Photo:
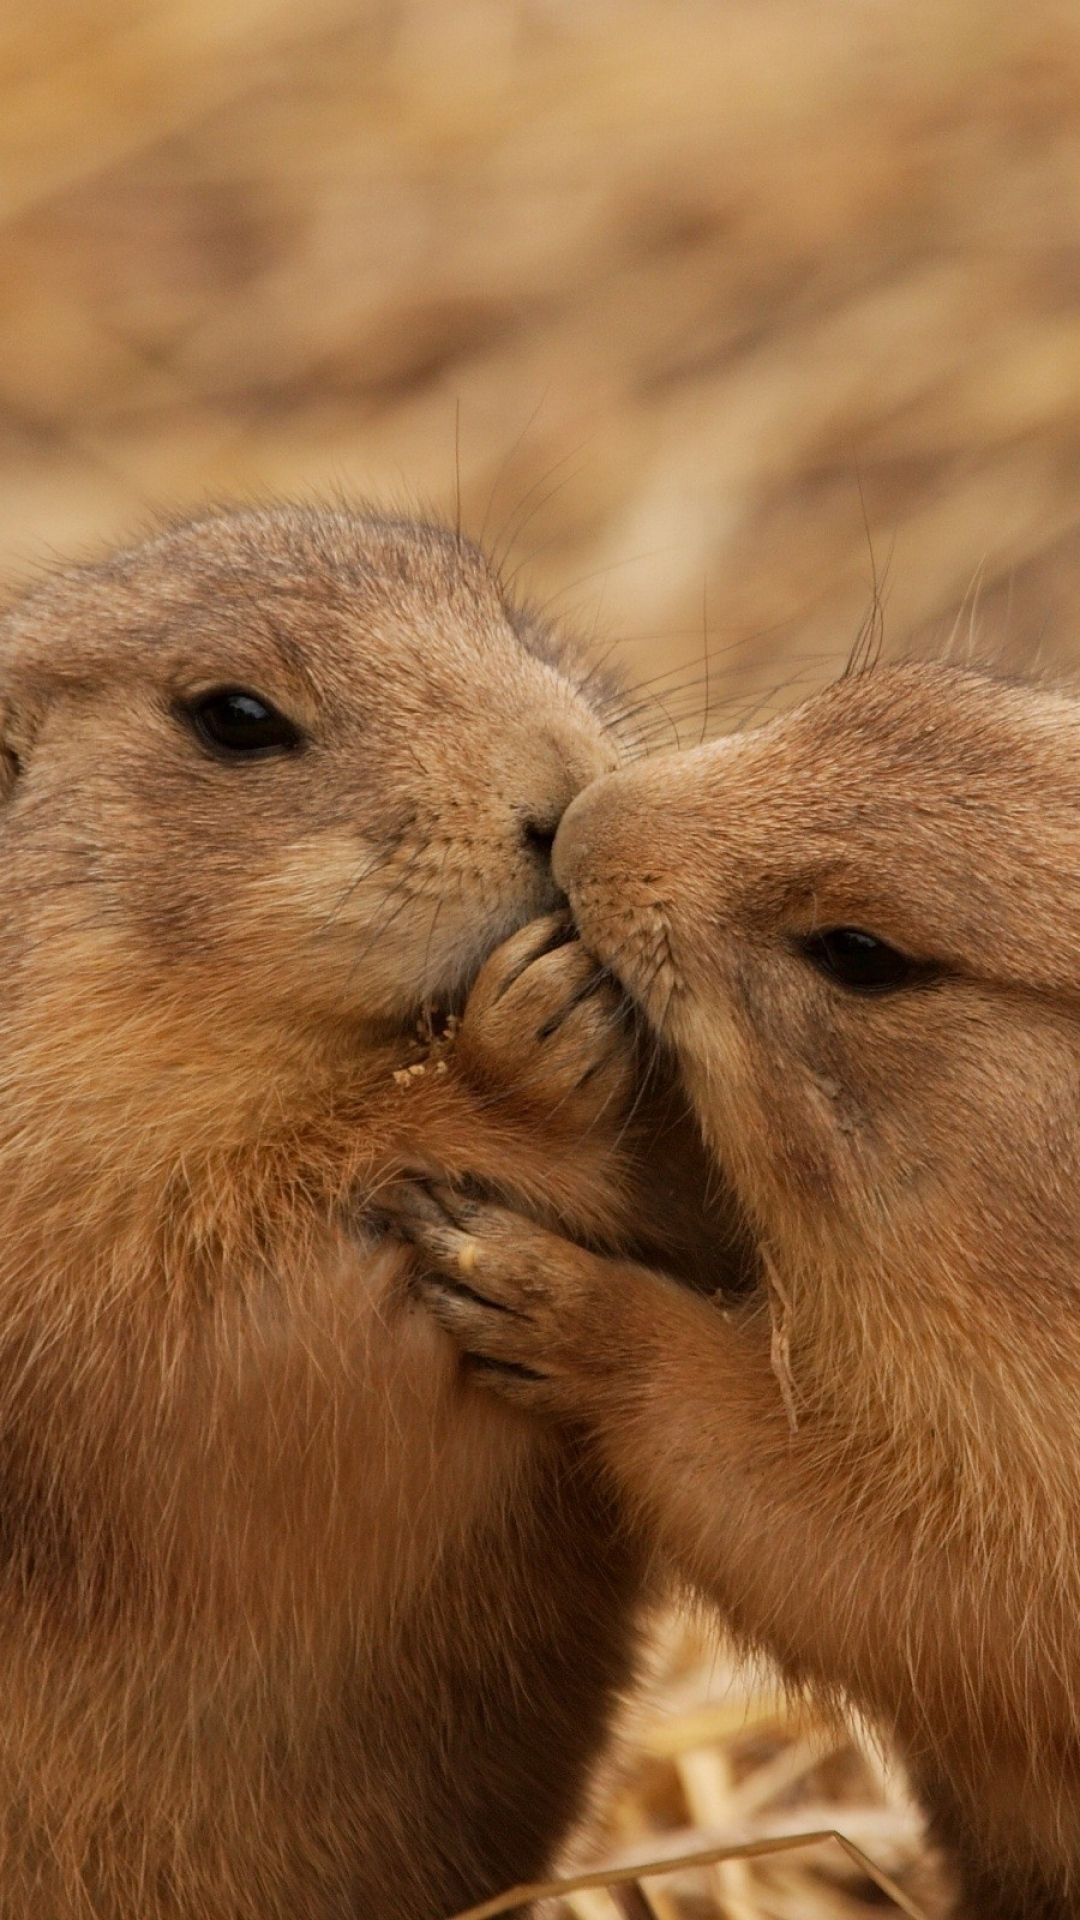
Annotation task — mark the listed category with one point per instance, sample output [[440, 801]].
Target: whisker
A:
[[598, 573], [527, 559], [808, 661], [439, 905], [380, 860], [870, 640], [513, 526], [505, 463], [759, 701], [597, 668], [400, 888], [645, 1084]]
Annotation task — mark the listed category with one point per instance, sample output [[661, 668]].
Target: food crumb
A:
[[436, 1039]]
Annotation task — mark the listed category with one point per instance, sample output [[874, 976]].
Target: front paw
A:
[[547, 1026], [526, 1307]]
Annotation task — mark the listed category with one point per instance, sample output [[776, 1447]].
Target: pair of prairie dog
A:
[[297, 1620], [856, 930]]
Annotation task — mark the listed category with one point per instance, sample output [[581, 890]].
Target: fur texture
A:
[[294, 1621], [869, 1459]]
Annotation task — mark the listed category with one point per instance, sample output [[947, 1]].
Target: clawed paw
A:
[[508, 1292], [545, 1022]]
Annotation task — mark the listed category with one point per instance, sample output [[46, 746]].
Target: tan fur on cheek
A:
[[371, 916]]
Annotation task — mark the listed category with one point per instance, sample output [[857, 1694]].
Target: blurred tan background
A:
[[704, 312], [666, 282]]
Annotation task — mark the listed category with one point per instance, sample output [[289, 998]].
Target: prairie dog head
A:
[[271, 779], [859, 929]]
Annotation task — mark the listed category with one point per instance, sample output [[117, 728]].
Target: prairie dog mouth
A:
[[442, 998]]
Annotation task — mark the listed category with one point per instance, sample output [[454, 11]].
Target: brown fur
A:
[[293, 1622], [908, 1168]]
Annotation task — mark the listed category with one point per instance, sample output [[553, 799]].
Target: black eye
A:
[[860, 961], [239, 723]]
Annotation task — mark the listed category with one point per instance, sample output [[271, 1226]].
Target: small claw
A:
[[418, 1204], [467, 1256], [457, 1209], [483, 1363], [520, 1385], [444, 1236], [458, 1298], [585, 991], [605, 1061], [479, 1328], [557, 930]]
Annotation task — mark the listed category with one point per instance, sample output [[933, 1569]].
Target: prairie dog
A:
[[292, 1623], [857, 929]]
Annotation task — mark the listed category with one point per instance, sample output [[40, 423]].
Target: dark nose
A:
[[564, 760]]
